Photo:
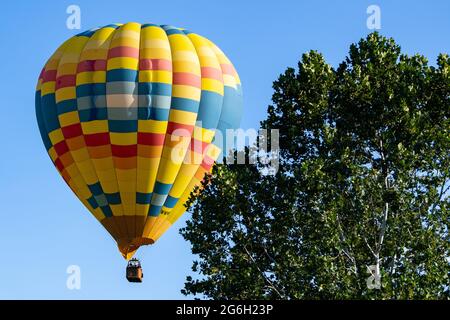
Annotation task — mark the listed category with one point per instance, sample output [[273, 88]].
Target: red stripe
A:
[[91, 65], [61, 148], [151, 139], [212, 73], [155, 64], [123, 51], [66, 179], [228, 69], [41, 74], [59, 165], [207, 163], [65, 81], [124, 151], [49, 75], [184, 130], [187, 79], [97, 139], [198, 146], [72, 131]]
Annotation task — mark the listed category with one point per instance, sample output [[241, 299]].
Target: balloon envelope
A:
[[128, 114]]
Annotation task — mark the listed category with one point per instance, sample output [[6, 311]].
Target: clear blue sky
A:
[[44, 228]]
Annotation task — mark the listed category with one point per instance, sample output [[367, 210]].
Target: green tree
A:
[[363, 183]]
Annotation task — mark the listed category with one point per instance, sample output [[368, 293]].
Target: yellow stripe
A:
[[212, 85], [116, 209], [184, 117], [125, 41], [108, 175], [56, 136], [185, 175], [66, 93], [95, 126], [95, 50], [148, 164], [66, 68], [186, 66], [229, 81], [52, 63], [99, 77], [123, 139], [143, 181], [98, 214], [82, 158], [161, 76], [167, 171], [85, 77], [141, 209], [180, 42], [130, 29], [156, 53], [68, 118], [52, 153], [123, 63], [103, 164], [126, 175], [206, 53], [152, 126], [189, 92], [48, 88], [151, 42], [100, 36], [38, 85]]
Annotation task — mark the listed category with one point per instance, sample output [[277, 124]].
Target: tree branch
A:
[[270, 283], [368, 246]]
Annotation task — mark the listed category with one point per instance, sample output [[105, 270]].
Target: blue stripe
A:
[[171, 202], [144, 113], [156, 88], [113, 198], [159, 114], [95, 188], [231, 110], [184, 104], [167, 27], [230, 117], [107, 211], [93, 114], [111, 26], [92, 202], [210, 109], [154, 211], [84, 90], [89, 89], [66, 106], [87, 33], [173, 31], [143, 198], [122, 75], [162, 188], [122, 125], [149, 25], [40, 120], [50, 115], [153, 114]]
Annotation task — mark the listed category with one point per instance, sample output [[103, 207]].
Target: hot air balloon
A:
[[129, 114]]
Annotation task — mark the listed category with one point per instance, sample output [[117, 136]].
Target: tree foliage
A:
[[363, 181]]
